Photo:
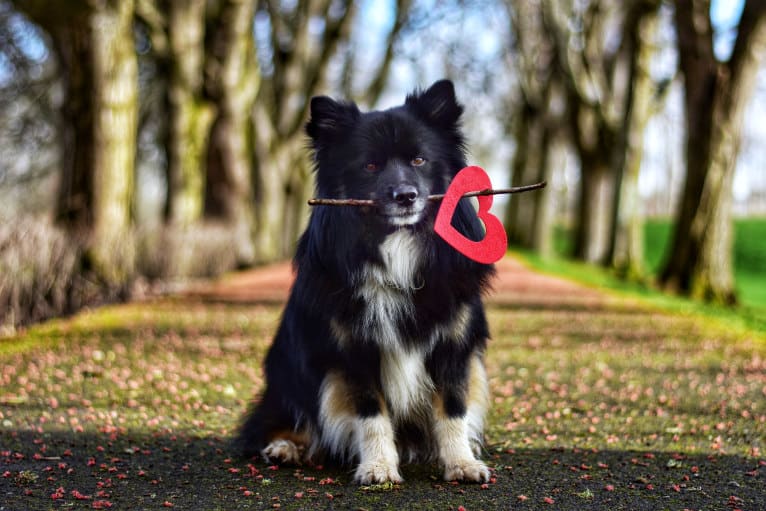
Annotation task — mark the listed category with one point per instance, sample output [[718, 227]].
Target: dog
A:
[[379, 356]]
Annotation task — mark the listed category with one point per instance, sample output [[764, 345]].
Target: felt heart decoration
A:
[[493, 246]]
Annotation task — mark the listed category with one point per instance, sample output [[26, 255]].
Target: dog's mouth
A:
[[402, 215]]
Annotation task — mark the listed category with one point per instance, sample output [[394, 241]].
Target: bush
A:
[[44, 272], [175, 253], [38, 272]]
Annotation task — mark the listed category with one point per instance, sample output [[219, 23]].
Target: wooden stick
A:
[[487, 191]]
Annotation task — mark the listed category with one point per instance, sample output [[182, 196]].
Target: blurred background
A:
[[147, 141]]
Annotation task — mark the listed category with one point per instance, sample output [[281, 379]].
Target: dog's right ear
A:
[[330, 119]]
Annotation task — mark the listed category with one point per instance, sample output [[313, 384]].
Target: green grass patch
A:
[[749, 256], [749, 259], [746, 320], [656, 239]]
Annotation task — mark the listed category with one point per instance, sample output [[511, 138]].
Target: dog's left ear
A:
[[437, 105]]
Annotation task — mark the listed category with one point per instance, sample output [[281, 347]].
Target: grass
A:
[[749, 256], [749, 272], [612, 404], [743, 319]]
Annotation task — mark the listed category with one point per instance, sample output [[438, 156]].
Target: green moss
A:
[[746, 320]]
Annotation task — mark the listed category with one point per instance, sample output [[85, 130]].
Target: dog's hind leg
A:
[[270, 431], [286, 447]]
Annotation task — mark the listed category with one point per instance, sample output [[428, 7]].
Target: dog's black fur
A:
[[380, 298]]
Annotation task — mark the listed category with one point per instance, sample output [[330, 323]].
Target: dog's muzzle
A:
[[404, 205]]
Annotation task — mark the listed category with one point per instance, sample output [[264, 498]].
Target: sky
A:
[[724, 15]]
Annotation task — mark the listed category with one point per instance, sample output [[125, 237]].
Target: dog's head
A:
[[396, 157]]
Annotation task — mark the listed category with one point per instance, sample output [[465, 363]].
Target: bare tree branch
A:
[[376, 86], [336, 30], [751, 38], [435, 197]]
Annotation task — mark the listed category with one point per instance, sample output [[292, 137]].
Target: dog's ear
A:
[[437, 105], [330, 118]]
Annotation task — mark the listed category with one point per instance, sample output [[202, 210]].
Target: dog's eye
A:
[[372, 167], [418, 162]]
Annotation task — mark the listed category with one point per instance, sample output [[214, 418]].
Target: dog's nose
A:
[[405, 195]]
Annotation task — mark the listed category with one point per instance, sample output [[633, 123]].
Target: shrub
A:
[[38, 267], [180, 253]]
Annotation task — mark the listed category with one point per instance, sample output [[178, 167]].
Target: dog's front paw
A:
[[467, 470], [377, 472], [284, 451]]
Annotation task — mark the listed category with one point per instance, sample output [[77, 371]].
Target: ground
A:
[[599, 402]]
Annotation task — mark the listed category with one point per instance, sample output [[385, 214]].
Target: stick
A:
[[486, 191]]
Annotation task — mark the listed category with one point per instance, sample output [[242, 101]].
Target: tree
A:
[[715, 95], [232, 81], [368, 90], [190, 113], [295, 72], [534, 123], [29, 142], [206, 67], [94, 45], [601, 103], [643, 98], [297, 69]]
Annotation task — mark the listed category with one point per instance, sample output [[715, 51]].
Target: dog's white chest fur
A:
[[387, 292], [387, 289], [401, 258]]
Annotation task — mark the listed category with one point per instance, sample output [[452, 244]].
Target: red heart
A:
[[493, 246]]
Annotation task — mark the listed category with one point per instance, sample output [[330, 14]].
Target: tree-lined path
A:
[[598, 403]]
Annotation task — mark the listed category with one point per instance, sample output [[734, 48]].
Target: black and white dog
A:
[[379, 356]]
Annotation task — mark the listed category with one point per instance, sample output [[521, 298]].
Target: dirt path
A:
[[515, 284], [597, 403]]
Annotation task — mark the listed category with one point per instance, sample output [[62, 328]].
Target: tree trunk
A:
[[282, 187], [542, 233], [593, 209], [282, 181], [715, 97], [528, 216], [94, 42], [627, 247], [599, 87], [116, 124], [233, 81], [190, 113], [519, 215], [594, 141]]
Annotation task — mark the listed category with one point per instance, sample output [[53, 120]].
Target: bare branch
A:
[[437, 197], [375, 88], [336, 30], [156, 23], [751, 38]]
